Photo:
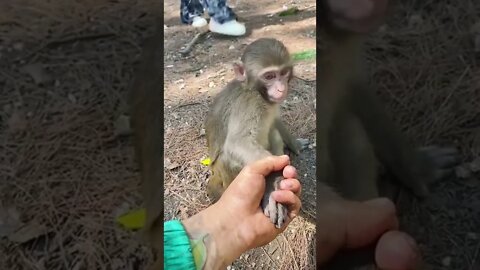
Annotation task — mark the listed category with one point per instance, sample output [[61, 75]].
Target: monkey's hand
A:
[[277, 212], [435, 163]]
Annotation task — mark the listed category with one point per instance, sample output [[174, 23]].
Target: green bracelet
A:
[[177, 252]]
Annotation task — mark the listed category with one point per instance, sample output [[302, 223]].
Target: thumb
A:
[[252, 177], [268, 165]]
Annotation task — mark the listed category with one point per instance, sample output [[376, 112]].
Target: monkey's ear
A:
[[240, 73]]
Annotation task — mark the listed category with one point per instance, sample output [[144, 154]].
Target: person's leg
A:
[[222, 18], [191, 12]]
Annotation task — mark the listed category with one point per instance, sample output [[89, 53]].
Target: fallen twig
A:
[[188, 48], [302, 79]]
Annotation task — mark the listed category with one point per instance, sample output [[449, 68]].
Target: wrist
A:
[[221, 243]]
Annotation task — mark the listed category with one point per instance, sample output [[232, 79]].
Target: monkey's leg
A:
[[217, 182], [353, 158], [292, 144], [276, 142], [413, 167]]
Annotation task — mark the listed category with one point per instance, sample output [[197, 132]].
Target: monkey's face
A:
[[358, 16], [275, 81]]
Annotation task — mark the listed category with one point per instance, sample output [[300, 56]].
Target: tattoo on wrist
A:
[[199, 250]]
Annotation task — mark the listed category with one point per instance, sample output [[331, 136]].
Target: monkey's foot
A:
[[230, 28], [303, 143], [199, 22], [277, 212]]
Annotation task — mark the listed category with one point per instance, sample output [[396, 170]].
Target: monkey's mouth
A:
[[278, 96]]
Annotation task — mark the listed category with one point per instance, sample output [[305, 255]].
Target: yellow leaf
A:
[[133, 220], [205, 161]]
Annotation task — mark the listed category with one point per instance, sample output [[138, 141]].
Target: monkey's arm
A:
[[291, 143], [241, 143], [244, 149]]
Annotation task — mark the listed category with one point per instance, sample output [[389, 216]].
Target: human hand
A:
[[236, 223], [346, 224], [244, 194]]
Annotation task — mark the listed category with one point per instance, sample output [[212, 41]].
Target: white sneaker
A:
[[230, 28], [199, 22]]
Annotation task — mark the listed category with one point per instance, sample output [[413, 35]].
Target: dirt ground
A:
[[190, 84], [65, 174], [65, 67]]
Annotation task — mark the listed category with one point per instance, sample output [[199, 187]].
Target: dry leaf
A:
[[474, 166], [72, 98], [462, 172], [17, 121], [447, 261], [9, 221], [182, 210], [477, 43], [169, 164], [28, 232], [37, 72]]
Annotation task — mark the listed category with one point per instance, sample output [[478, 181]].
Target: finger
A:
[[367, 221], [289, 199], [348, 224], [291, 184], [397, 251], [267, 165], [289, 172]]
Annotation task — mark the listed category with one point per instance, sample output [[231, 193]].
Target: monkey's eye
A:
[[269, 76], [284, 72]]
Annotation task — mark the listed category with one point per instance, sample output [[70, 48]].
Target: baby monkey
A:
[[243, 124]]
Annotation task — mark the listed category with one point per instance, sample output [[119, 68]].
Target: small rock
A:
[[18, 46], [474, 166], [447, 261], [72, 98], [231, 47], [475, 29], [415, 20], [165, 26], [462, 172], [181, 86], [122, 126], [477, 43], [7, 108], [178, 81], [202, 132], [211, 84], [472, 236]]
